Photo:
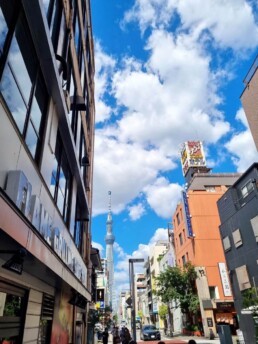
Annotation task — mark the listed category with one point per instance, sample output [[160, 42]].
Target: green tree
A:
[[178, 284], [140, 313], [163, 311], [250, 299], [115, 318]]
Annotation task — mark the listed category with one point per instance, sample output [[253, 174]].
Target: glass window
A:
[[12, 308], [77, 35], [237, 238], [181, 239], [23, 88], [3, 31], [178, 218], [254, 223], [247, 188], [61, 179]]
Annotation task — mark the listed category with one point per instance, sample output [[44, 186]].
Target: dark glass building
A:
[[238, 210]]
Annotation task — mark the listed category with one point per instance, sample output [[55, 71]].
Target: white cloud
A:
[[104, 66], [240, 116], [242, 146], [163, 197], [125, 169], [99, 247], [170, 98], [136, 211], [121, 274], [160, 234], [231, 23]]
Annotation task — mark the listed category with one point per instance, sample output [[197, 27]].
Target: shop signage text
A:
[[19, 190]]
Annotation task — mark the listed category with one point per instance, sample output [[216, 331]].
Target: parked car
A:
[[123, 324], [149, 332]]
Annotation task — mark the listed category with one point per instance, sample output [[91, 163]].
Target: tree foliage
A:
[[250, 299], [163, 311], [178, 284]]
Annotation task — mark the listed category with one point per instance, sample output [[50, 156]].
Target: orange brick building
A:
[[197, 239]]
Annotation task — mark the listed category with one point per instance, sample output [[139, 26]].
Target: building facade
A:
[[174, 317], [249, 99], [197, 239], [46, 149], [110, 239], [238, 209]]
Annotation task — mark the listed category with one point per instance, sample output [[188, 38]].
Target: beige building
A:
[[156, 252], [249, 99]]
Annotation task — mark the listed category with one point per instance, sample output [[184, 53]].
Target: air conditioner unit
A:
[[67, 100]]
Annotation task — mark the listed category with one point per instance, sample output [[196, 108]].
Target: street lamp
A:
[[131, 275]]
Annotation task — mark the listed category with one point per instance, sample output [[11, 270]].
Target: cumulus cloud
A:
[[125, 169], [171, 97], [163, 196], [242, 146], [136, 211], [231, 23], [99, 247], [104, 66], [121, 274]]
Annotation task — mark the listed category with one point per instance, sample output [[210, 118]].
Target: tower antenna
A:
[[109, 202]]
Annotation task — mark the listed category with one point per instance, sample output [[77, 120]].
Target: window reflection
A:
[[12, 308], [21, 79], [3, 31], [31, 140], [61, 180], [13, 98]]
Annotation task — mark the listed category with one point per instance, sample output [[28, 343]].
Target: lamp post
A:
[[131, 276]]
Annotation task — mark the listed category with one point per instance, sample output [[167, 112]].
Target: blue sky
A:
[[166, 71]]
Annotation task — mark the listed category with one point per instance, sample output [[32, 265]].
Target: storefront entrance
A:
[[13, 304]]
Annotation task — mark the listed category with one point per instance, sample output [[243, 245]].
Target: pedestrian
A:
[[125, 335], [192, 341], [212, 335], [105, 336], [116, 337]]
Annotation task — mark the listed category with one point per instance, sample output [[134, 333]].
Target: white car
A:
[[123, 323], [98, 327]]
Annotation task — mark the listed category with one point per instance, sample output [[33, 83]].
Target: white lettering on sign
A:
[[195, 148], [224, 279], [19, 190]]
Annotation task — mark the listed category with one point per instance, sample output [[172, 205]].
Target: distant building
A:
[[174, 319], [197, 239], [140, 289], [47, 117], [110, 239], [238, 210], [249, 99], [153, 268]]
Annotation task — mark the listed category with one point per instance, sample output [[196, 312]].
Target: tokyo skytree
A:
[[109, 239]]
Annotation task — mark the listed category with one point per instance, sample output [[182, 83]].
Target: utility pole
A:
[[132, 288]]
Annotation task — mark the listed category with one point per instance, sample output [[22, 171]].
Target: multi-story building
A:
[[140, 289], [156, 252], [46, 150], [197, 239], [174, 319], [249, 100], [102, 285], [238, 209], [110, 239]]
